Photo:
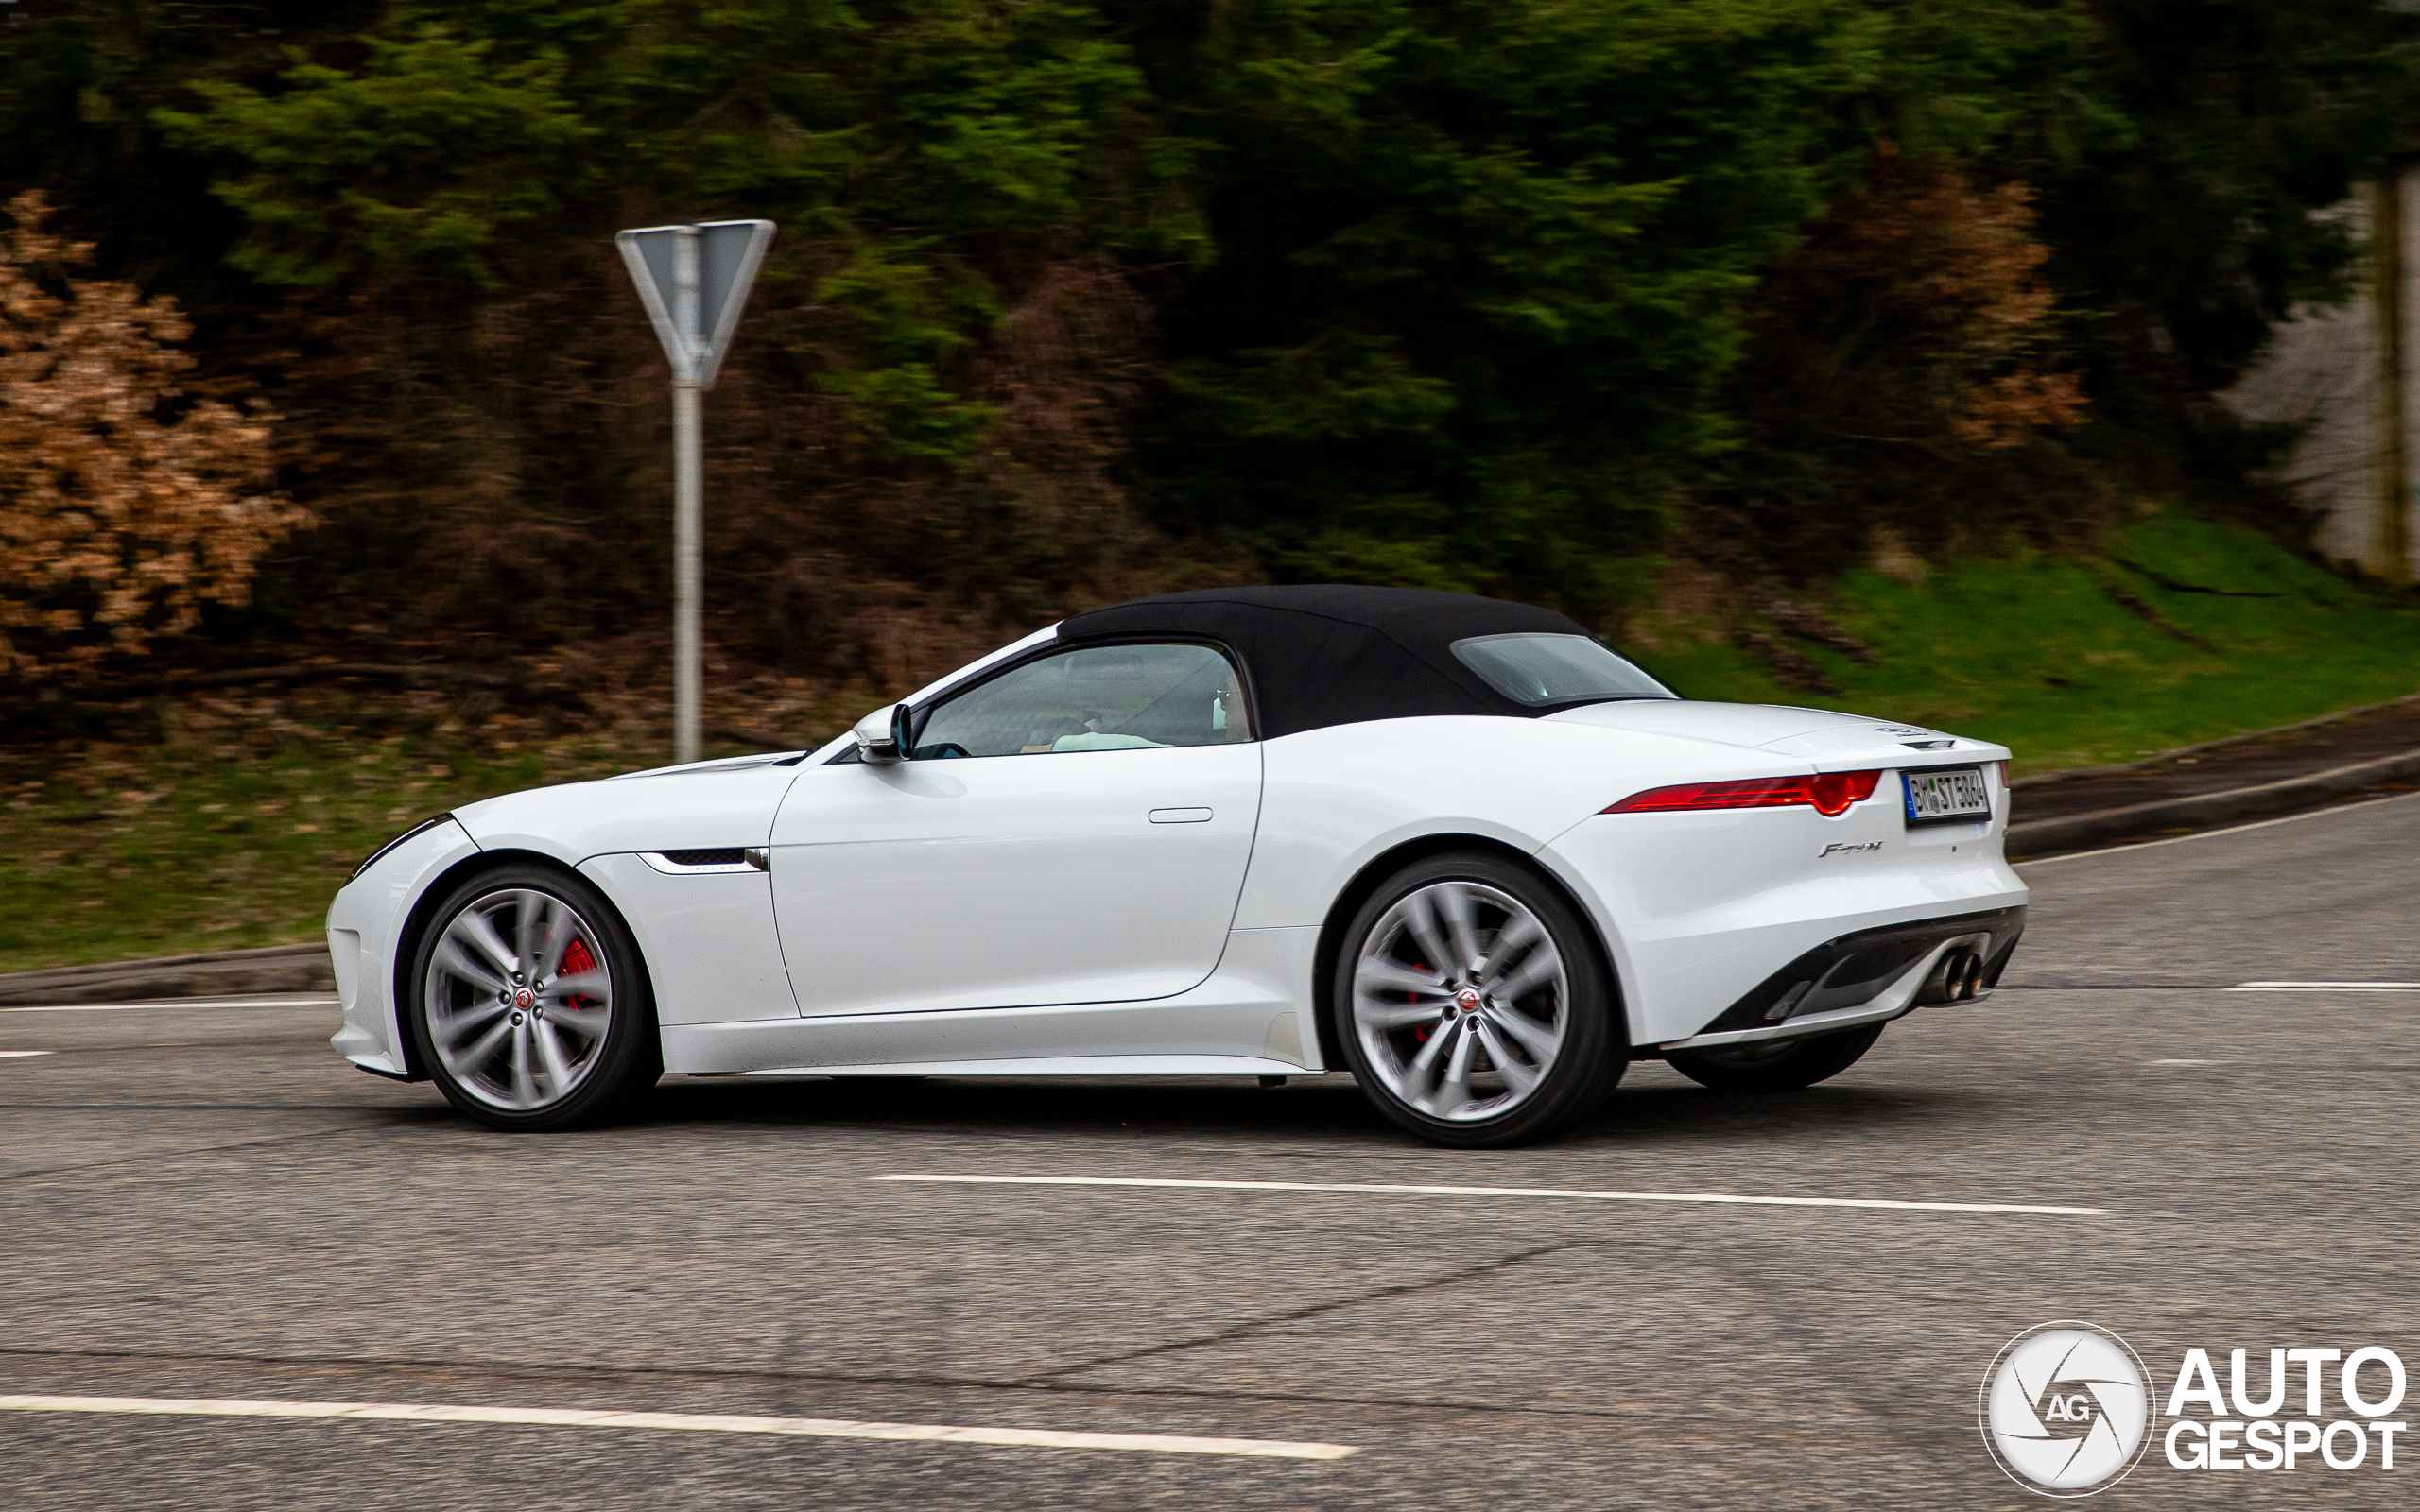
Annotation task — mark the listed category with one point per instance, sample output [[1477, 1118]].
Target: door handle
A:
[[1180, 815]]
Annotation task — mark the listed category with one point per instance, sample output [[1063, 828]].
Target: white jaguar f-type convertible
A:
[[1454, 846]]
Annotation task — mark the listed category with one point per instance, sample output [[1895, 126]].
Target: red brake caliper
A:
[[575, 960]]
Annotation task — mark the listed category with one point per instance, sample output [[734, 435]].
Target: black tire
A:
[[1776, 1065], [1593, 1049], [611, 1070]]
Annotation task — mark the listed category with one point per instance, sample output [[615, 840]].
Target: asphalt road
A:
[[200, 1201]]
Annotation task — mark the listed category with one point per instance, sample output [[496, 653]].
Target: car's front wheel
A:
[[1776, 1065], [1474, 1005], [530, 1007]]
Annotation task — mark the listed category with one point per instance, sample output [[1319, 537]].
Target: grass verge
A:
[[230, 822], [2185, 631]]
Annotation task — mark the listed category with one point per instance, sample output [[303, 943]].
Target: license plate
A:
[[1947, 794]]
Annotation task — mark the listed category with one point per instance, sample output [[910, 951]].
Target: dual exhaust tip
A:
[[1959, 978]]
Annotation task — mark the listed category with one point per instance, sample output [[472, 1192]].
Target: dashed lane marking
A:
[[19, 1055], [679, 1422], [2324, 987], [1501, 1191]]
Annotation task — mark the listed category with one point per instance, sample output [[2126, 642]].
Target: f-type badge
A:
[[1840, 849]]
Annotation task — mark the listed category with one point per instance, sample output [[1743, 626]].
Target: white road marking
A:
[[327, 1001], [685, 1423], [19, 1055], [2212, 834], [2184, 1062], [2324, 987], [1499, 1191]]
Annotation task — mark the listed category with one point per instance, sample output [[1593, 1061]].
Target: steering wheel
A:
[[943, 751]]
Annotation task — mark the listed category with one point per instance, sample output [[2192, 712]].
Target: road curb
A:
[[2247, 737], [271, 969], [2039, 836]]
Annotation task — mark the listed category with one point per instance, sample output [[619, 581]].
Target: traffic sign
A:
[[693, 281], [695, 323]]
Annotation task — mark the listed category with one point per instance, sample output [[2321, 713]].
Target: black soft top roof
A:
[[1329, 654]]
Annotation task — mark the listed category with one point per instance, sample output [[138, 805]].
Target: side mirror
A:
[[884, 735]]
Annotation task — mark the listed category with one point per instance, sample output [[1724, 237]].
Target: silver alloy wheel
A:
[[518, 999], [1459, 1000]]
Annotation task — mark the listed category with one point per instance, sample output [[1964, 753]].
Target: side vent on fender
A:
[[694, 862], [702, 858]]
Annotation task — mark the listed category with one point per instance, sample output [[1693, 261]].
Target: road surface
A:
[[198, 1201]]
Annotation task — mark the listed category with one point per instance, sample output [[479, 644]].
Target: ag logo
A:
[[2066, 1409]]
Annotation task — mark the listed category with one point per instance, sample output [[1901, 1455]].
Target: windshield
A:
[[1542, 669]]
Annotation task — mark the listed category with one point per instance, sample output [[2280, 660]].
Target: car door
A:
[[1074, 829]]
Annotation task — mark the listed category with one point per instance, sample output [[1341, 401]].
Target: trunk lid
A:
[[1829, 741]]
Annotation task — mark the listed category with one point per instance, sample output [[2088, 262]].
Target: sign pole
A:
[[688, 502]]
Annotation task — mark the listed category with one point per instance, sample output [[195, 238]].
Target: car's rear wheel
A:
[[1474, 1003], [1776, 1065], [530, 1007]]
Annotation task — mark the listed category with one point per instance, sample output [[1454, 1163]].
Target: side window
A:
[[1105, 698]]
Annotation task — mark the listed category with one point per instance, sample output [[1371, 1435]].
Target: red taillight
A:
[[1833, 792], [1827, 793]]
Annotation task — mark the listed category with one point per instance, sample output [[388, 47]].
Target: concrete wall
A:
[[2352, 376]]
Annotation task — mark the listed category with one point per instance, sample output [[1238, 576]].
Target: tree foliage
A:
[[1077, 296], [422, 158]]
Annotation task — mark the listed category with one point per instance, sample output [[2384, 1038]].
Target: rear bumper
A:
[[1867, 976], [1699, 909]]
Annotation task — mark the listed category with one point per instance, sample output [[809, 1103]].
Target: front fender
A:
[[366, 923]]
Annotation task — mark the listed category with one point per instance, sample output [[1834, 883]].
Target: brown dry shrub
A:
[[1998, 411], [1902, 390], [126, 503], [1916, 306]]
